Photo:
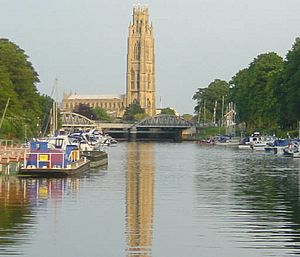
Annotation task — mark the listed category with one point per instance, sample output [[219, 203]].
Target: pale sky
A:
[[83, 43]]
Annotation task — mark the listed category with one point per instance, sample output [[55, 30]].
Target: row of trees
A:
[[266, 94], [26, 107], [133, 112]]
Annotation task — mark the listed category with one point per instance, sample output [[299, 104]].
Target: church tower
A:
[[140, 84]]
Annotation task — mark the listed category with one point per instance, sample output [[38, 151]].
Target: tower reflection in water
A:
[[139, 198]]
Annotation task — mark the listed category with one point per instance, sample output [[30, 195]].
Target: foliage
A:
[[252, 91], [210, 97], [134, 111], [101, 114], [46, 103], [168, 111], [85, 110], [209, 132], [140, 116], [287, 90], [188, 117], [18, 83]]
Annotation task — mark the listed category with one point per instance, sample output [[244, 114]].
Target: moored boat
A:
[[97, 158], [226, 141], [42, 160]]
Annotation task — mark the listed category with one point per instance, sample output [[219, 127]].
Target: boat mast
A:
[[56, 105], [3, 115], [54, 112]]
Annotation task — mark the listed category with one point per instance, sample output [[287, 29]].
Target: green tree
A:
[[188, 117], [252, 90], [18, 82], [101, 114], [85, 110], [287, 88], [168, 111], [46, 104], [133, 112], [211, 97]]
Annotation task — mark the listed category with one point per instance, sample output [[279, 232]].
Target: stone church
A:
[[140, 84]]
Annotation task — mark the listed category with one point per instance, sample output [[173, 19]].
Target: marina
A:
[[182, 158], [148, 202]]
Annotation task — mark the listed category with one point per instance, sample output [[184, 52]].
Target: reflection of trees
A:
[[268, 190], [139, 198], [15, 212]]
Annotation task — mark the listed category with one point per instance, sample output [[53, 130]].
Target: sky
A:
[[83, 43]]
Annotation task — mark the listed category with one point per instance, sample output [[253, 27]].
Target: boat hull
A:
[[77, 168], [97, 158], [244, 146]]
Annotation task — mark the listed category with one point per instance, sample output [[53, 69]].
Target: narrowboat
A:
[[45, 160]]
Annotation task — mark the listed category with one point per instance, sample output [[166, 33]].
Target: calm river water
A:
[[158, 200]]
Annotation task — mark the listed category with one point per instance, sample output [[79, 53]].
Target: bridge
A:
[[71, 120], [159, 127], [164, 121]]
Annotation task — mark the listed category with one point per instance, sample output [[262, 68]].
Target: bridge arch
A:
[[75, 120]]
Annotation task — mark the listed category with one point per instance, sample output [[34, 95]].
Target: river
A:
[[158, 200]]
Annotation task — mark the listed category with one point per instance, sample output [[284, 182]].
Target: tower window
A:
[[148, 103], [136, 51]]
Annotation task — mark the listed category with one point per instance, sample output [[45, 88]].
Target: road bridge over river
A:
[[159, 127]]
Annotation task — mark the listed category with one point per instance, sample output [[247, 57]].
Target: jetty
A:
[[11, 156]]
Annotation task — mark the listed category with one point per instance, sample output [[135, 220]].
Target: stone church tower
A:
[[140, 85]]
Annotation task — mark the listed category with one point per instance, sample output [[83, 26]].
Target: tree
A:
[[85, 110], [18, 82], [46, 104], [252, 90], [211, 98], [134, 112], [187, 117], [168, 111], [287, 88], [101, 114]]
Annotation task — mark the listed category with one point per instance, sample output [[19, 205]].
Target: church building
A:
[[140, 82]]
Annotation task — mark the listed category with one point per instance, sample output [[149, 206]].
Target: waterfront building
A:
[[140, 76], [113, 104]]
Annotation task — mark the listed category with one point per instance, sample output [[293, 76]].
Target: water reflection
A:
[[41, 190], [269, 188], [20, 199], [15, 214], [139, 198], [253, 202]]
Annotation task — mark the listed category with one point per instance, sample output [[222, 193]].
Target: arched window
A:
[[148, 103]]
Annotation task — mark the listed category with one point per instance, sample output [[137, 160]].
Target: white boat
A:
[[293, 149], [246, 143], [256, 142], [263, 143]]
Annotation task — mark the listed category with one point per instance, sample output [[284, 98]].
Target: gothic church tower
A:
[[140, 85]]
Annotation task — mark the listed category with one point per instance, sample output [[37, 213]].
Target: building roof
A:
[[94, 97]]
